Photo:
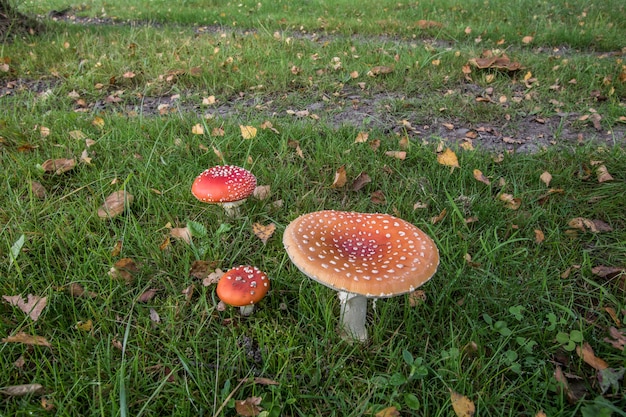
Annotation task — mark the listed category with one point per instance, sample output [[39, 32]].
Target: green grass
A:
[[510, 301]]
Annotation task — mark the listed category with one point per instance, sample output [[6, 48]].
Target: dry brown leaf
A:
[[76, 290], [38, 190], [263, 232], [608, 272], [374, 144], [510, 202], [439, 217], [603, 174], [388, 412], [264, 381], [154, 316], [585, 352], [200, 269], [593, 226], [611, 312], [417, 297], [21, 390], [197, 129], [250, 407], [261, 192], [361, 137], [463, 406], [539, 236], [124, 269], [360, 181], [115, 204], [340, 178], [617, 339], [540, 413], [378, 197], [296, 145], [247, 132], [448, 158], [379, 70], [527, 39], [501, 62], [564, 385], [27, 339], [428, 24], [181, 233], [85, 158], [218, 132], [401, 155], [480, 177], [546, 177], [86, 326], [33, 306], [147, 295], [58, 166]]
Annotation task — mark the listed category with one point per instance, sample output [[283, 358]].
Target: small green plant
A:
[[569, 340]]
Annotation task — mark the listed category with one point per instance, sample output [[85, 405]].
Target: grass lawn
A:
[[498, 128]]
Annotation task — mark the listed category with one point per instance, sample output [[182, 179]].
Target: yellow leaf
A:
[[463, 406], [98, 122], [388, 412], [85, 326], [247, 132], [546, 177], [340, 178], [481, 177], [263, 232], [361, 137], [197, 129], [448, 158], [603, 174]]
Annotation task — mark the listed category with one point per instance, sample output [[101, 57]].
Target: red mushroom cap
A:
[[242, 286], [223, 184], [374, 255]]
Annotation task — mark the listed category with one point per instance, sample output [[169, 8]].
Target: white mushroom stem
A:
[[232, 208], [246, 310], [353, 315]]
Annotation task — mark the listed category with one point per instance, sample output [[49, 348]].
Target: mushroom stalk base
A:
[[232, 208], [246, 310], [353, 315]]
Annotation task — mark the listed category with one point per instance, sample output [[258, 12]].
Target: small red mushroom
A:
[[243, 287], [226, 185]]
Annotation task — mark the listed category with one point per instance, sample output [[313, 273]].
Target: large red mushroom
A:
[[243, 287], [361, 256], [226, 185]]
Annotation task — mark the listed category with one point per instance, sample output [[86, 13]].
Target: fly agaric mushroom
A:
[[226, 185], [243, 287], [361, 256]]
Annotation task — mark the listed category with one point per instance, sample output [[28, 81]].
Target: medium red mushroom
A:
[[361, 256], [226, 185], [243, 287]]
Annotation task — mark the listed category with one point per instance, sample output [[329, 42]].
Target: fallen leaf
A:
[[539, 236], [124, 269], [264, 381], [603, 174], [115, 204], [213, 277], [261, 192], [480, 177], [263, 232], [154, 316], [448, 158], [378, 197], [388, 412], [546, 177], [209, 101], [200, 269], [250, 407], [147, 295], [374, 144], [527, 39], [197, 129], [585, 352], [617, 339], [428, 24], [501, 62], [247, 132], [98, 122], [510, 202], [76, 290], [608, 272], [564, 385], [38, 190], [85, 158], [21, 390], [361, 137], [593, 226], [463, 406], [540, 413], [360, 181], [218, 132], [58, 166], [611, 312], [296, 145], [85, 326], [439, 217], [181, 233], [401, 155], [27, 339], [47, 404], [33, 306], [417, 297], [379, 70], [340, 178]]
